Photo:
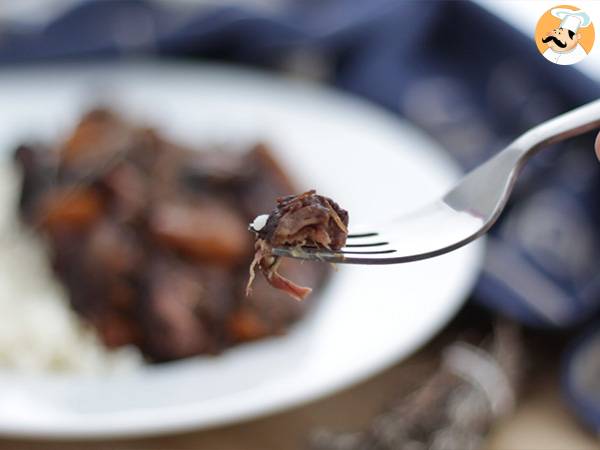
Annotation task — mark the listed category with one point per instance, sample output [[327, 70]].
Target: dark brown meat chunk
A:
[[99, 137], [185, 310], [38, 165], [206, 230], [150, 238], [305, 220], [76, 207]]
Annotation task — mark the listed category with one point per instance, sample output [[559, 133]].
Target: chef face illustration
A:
[[561, 40], [561, 34]]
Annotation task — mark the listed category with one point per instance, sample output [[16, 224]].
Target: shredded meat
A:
[[305, 220]]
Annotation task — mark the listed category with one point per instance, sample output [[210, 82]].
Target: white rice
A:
[[38, 330]]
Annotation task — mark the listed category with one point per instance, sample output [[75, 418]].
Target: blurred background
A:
[[518, 367]]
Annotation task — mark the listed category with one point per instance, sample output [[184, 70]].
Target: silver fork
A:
[[465, 213]]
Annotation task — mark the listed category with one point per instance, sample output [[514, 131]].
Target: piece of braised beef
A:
[[305, 220]]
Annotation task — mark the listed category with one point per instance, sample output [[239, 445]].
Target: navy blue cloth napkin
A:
[[459, 73]]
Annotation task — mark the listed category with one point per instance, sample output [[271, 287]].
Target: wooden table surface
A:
[[541, 421]]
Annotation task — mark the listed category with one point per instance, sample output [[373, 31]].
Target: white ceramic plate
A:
[[368, 317]]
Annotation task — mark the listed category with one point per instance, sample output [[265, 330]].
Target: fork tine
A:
[[308, 253], [327, 255], [369, 244], [369, 252], [314, 254], [362, 235]]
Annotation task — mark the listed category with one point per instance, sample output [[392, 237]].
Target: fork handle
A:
[[570, 124]]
